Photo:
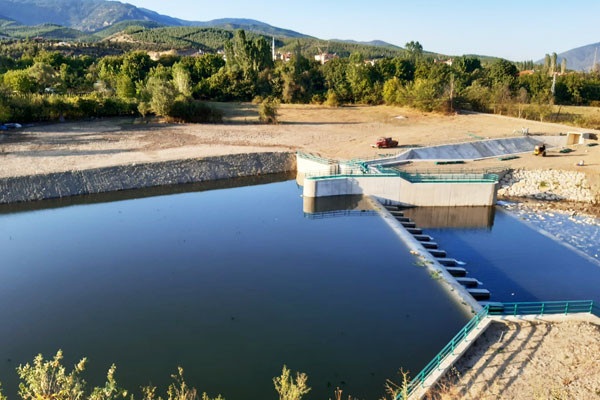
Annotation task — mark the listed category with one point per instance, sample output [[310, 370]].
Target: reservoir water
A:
[[514, 261], [230, 283]]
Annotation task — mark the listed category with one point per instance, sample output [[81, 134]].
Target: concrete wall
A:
[[136, 176], [313, 166], [394, 189]]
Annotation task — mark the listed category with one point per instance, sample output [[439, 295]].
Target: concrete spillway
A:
[[451, 265], [472, 150]]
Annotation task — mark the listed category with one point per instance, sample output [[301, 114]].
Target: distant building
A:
[[325, 57], [221, 53], [285, 57], [371, 62], [526, 72], [447, 62]]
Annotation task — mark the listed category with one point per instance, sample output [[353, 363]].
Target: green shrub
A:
[[317, 98], [267, 112], [290, 388], [332, 99]]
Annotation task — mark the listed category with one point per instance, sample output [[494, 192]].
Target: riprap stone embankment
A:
[[137, 176], [548, 185]]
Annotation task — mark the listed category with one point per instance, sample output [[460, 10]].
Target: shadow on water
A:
[[164, 190]]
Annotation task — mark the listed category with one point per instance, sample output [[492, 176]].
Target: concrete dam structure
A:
[[384, 179]]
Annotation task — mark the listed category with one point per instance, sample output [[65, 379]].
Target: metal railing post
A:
[[566, 308], [591, 306], [543, 304]]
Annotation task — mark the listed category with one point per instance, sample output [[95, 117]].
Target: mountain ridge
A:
[[579, 58]]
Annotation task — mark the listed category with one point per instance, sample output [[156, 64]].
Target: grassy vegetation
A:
[[50, 379], [581, 116]]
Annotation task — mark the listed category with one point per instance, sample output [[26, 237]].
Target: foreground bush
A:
[[50, 380]]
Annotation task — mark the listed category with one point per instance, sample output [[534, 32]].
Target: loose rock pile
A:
[[549, 185]]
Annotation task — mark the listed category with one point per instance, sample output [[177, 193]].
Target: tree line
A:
[[47, 85]]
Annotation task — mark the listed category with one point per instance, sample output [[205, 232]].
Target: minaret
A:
[[273, 48]]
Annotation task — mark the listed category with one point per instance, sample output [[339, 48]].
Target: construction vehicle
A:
[[385, 143], [540, 150]]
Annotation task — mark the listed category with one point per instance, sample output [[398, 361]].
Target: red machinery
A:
[[385, 143]]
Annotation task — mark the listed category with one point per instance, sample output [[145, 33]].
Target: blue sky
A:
[[516, 30]]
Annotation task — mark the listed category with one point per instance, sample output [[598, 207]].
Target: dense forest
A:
[[37, 84]]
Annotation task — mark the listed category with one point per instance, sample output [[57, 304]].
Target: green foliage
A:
[[332, 99], [49, 379], [40, 83], [19, 81], [267, 111], [43, 75], [207, 39], [414, 50], [290, 388], [162, 94], [182, 80], [136, 65], [125, 87], [503, 71]]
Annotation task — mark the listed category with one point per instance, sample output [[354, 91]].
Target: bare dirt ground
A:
[[345, 132], [528, 361]]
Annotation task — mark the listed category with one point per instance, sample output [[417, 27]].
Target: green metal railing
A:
[[448, 177], [492, 309], [543, 308], [426, 176], [314, 157]]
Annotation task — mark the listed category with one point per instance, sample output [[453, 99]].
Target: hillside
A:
[[126, 25], [96, 15], [379, 43], [12, 29], [249, 25], [214, 38], [580, 58]]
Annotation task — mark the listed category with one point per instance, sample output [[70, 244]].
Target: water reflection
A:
[[452, 217]]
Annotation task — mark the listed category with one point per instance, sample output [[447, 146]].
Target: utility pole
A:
[[273, 48]]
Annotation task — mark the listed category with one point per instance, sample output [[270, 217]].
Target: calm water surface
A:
[[513, 260], [230, 284]]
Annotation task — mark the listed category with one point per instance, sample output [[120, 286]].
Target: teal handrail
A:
[[491, 309]]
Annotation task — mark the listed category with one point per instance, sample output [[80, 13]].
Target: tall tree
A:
[[553, 62], [414, 50], [563, 66]]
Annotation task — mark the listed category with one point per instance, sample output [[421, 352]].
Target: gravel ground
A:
[[527, 361], [345, 132]]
